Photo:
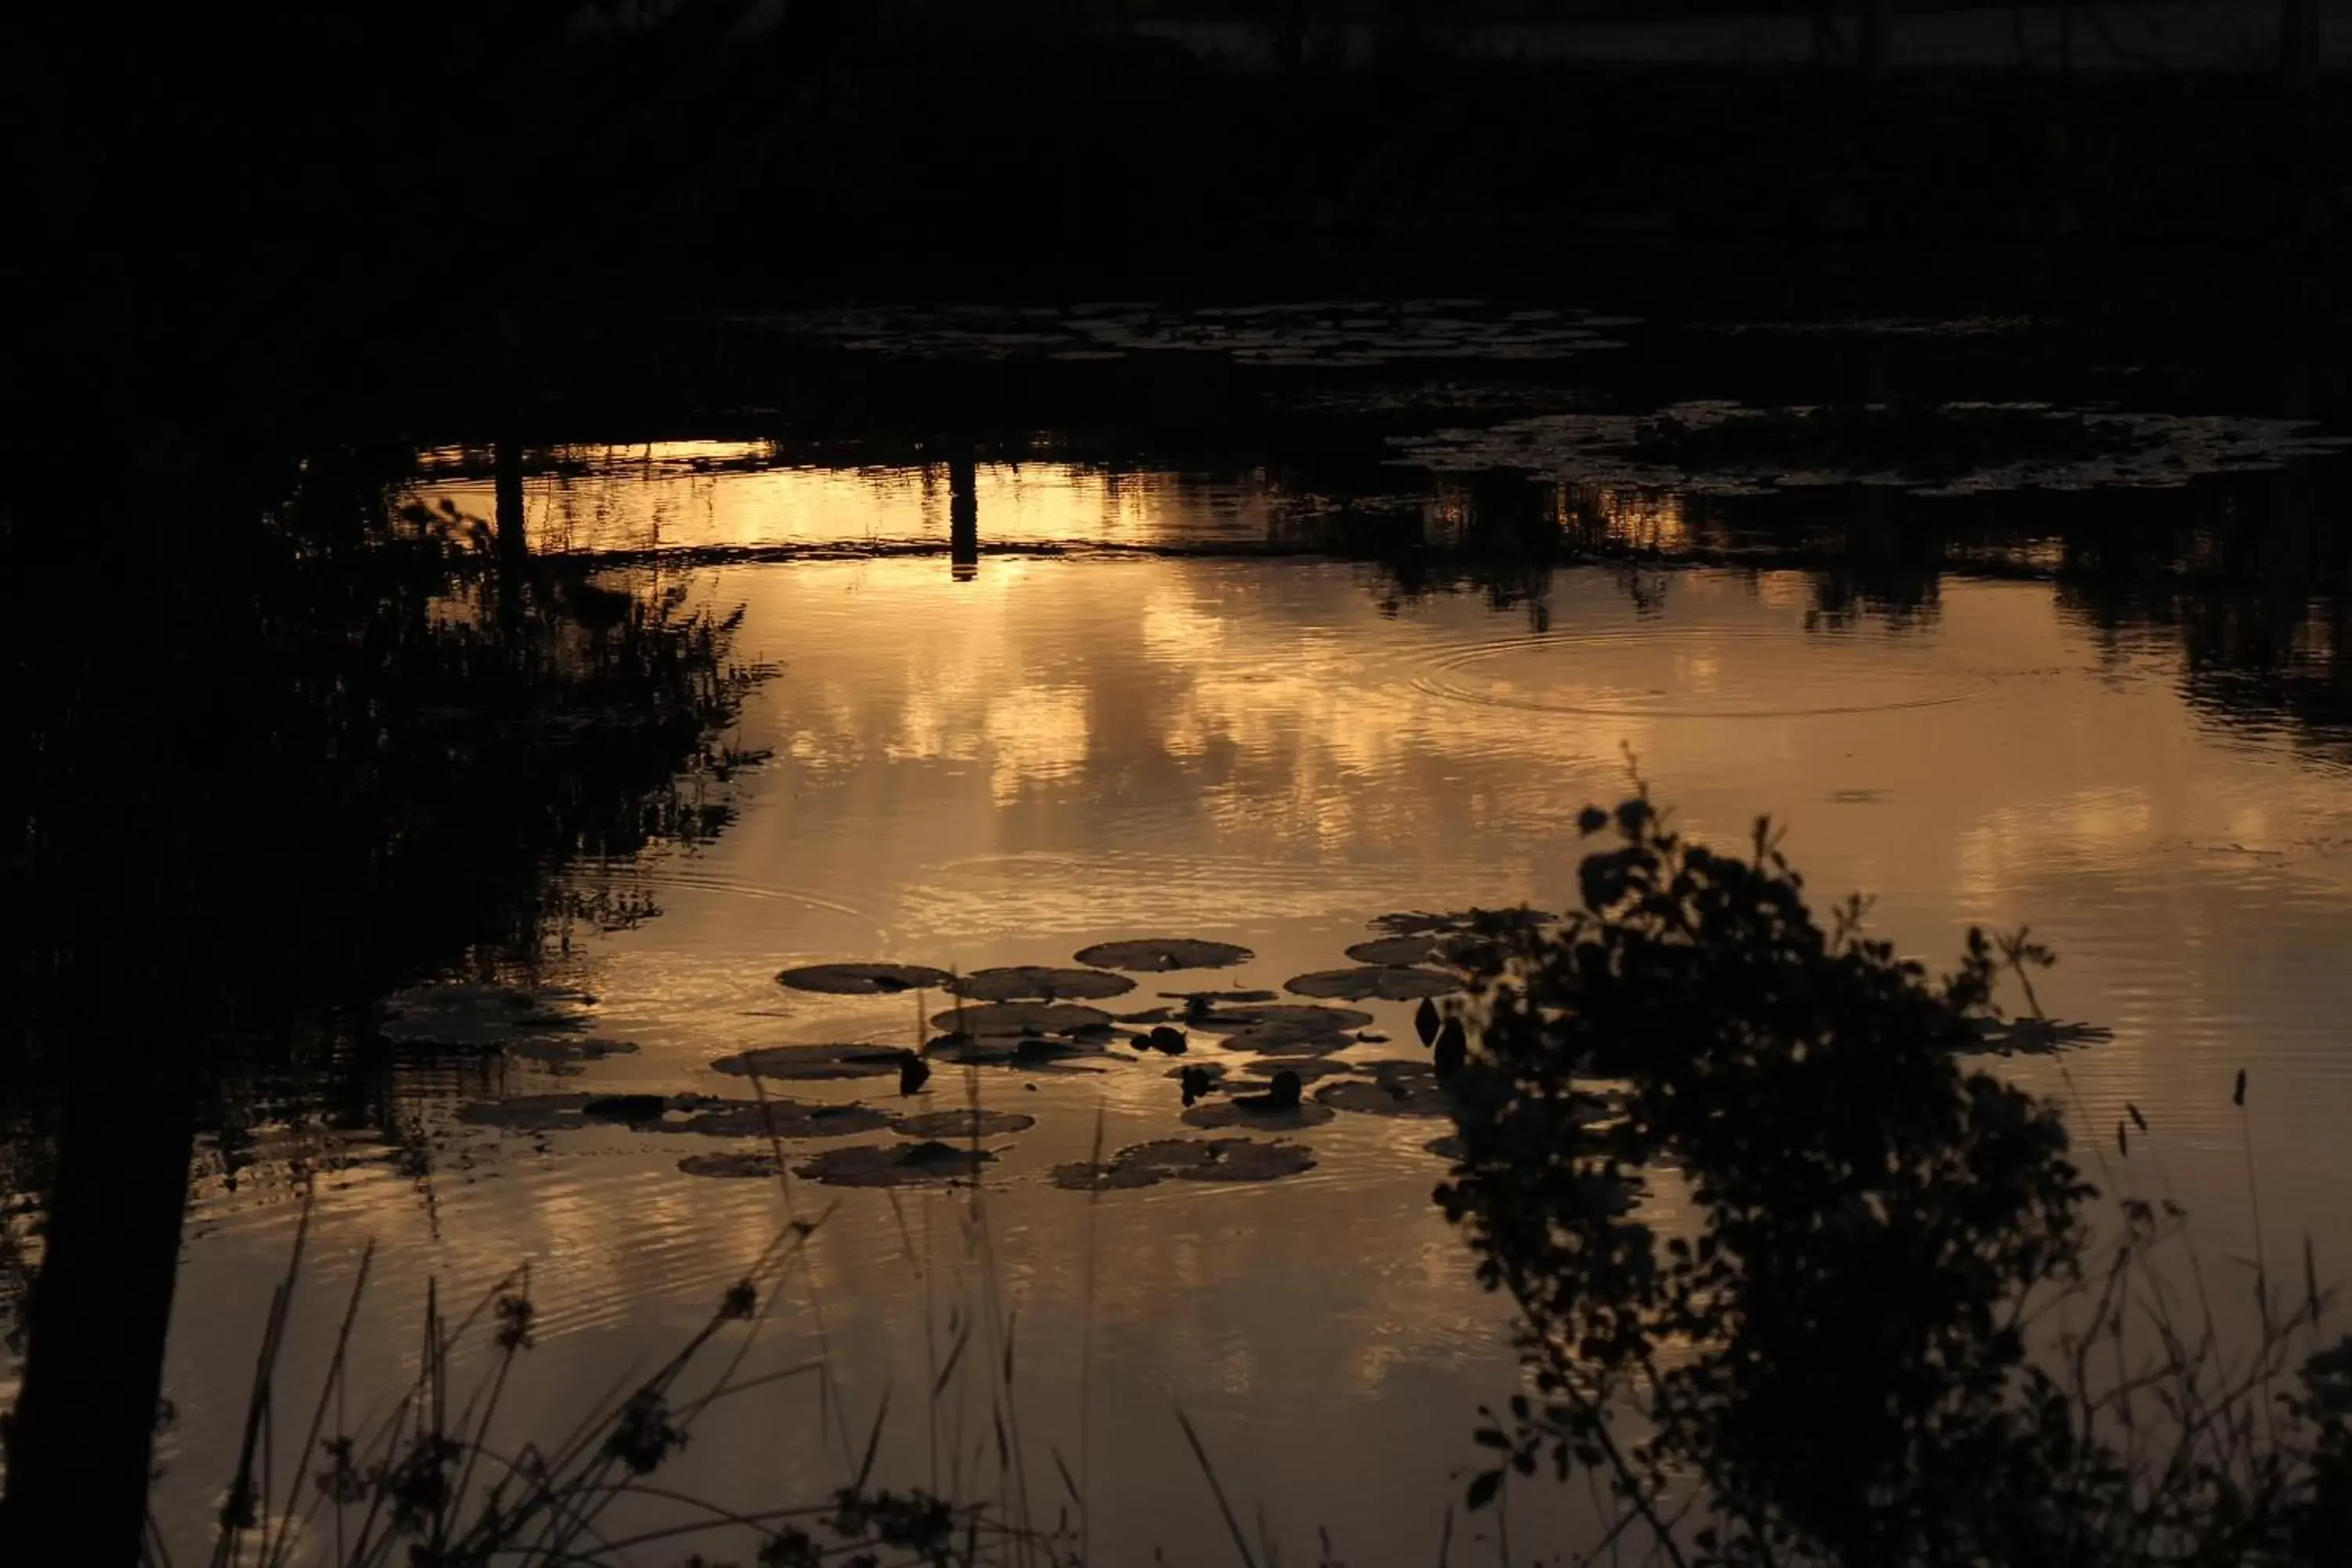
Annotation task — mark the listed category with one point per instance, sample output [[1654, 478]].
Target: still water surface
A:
[[1004, 765]]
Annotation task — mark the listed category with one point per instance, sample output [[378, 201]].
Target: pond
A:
[[1160, 705]]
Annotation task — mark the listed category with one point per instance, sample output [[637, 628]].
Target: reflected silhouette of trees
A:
[[291, 744]]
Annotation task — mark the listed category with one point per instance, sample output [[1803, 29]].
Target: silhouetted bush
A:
[[1829, 1335]]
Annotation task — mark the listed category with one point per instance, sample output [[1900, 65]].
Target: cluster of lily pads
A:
[[1044, 1019]]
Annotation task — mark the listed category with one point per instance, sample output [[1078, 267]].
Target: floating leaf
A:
[[778, 1118], [808, 1064], [1030, 1055], [1395, 950], [1385, 983], [1395, 1088], [883, 1166], [1022, 1019], [1037, 982], [966, 1123], [1158, 954], [1190, 1160], [863, 979], [1218, 998], [1303, 1016]]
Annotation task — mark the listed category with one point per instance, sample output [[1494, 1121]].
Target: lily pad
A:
[[734, 1164], [967, 1123], [1218, 998], [1037, 982], [883, 1165], [1218, 1159], [863, 979], [1395, 1088], [1022, 1019], [1026, 1054], [783, 1118], [1158, 955], [811, 1064], [1290, 1041], [1395, 950], [1303, 1016], [1385, 982]]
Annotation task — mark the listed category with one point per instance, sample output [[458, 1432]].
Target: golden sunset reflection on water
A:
[[1060, 752]]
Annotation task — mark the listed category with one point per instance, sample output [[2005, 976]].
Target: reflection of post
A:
[[506, 485], [963, 518]]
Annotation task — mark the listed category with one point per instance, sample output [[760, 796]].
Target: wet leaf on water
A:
[[1421, 922], [1395, 950], [1021, 1018], [1213, 1072], [1384, 983], [967, 1123], [1218, 998], [863, 979], [1148, 1016], [783, 1118], [1030, 1055], [1160, 954], [1303, 1016], [735, 1163], [809, 1064], [1218, 1159], [883, 1166], [1037, 982], [1395, 1088]]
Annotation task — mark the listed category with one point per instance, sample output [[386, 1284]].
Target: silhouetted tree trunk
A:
[[80, 1438]]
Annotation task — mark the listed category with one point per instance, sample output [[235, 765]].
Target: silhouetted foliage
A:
[[1832, 1358]]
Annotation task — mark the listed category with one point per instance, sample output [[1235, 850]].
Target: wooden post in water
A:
[[963, 516]]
